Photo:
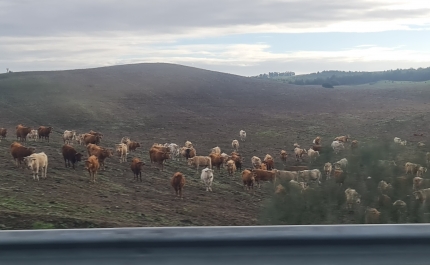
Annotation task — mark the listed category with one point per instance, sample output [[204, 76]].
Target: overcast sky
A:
[[244, 37]]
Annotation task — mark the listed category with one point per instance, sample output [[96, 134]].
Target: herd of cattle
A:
[[298, 177]]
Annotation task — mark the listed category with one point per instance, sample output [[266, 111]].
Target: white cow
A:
[[207, 177], [256, 162], [36, 162], [337, 146], [308, 175], [235, 145], [343, 163], [122, 151], [242, 135], [33, 135], [397, 140], [352, 196], [174, 151], [68, 136]]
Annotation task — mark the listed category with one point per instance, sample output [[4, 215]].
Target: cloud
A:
[[206, 18], [51, 34]]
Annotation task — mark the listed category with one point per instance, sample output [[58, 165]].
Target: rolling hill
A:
[[173, 103]]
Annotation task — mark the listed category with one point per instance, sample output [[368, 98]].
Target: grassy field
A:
[[170, 103]]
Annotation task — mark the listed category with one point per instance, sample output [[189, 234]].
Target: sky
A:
[[243, 37]]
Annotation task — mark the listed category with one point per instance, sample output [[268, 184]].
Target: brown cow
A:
[[317, 148], [136, 167], [158, 157], [91, 139], [70, 155], [100, 152], [216, 160], [178, 183], [19, 151], [339, 177], [44, 132], [133, 145], [248, 179], [3, 133], [342, 139], [264, 175], [268, 160], [21, 132], [236, 157], [188, 152], [93, 166]]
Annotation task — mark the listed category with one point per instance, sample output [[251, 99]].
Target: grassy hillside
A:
[[171, 103]]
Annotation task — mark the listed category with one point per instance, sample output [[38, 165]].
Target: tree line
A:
[[336, 78]]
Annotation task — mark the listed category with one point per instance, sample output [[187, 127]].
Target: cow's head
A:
[[78, 156]]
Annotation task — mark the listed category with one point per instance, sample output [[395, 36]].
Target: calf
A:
[[70, 155], [242, 135], [33, 135], [136, 167], [132, 146], [36, 162], [68, 137], [207, 177], [231, 167], [178, 183], [248, 179], [122, 151], [93, 166], [3, 133], [317, 141]]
